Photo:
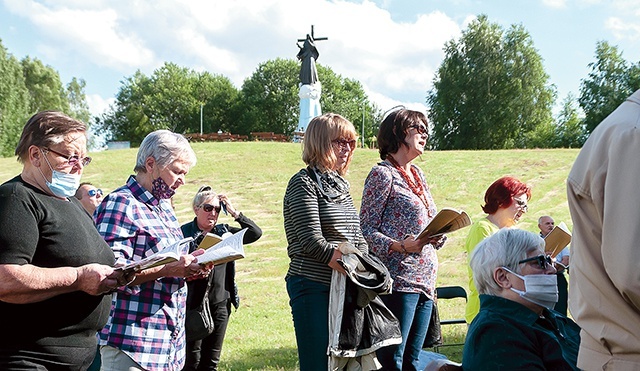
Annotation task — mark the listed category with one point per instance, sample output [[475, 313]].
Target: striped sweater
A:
[[318, 214]]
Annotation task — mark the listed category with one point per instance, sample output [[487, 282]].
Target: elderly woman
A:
[[205, 354], [396, 206], [516, 328], [54, 266], [146, 328], [318, 215], [505, 203]]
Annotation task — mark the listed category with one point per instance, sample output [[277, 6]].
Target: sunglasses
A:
[[522, 204], [421, 129], [543, 261], [72, 160], [208, 208], [343, 143], [94, 192]]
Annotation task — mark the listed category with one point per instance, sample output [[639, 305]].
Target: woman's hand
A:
[[333, 263], [230, 209]]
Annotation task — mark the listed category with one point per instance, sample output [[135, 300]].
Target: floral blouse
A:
[[389, 212]]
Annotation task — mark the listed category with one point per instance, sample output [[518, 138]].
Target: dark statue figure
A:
[[308, 54]]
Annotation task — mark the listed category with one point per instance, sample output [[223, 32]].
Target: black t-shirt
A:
[[45, 231]]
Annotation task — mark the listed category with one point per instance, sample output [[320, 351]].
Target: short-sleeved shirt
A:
[[479, 230], [49, 232], [147, 321], [390, 210], [506, 335]]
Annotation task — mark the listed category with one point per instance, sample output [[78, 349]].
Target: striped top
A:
[[318, 214]]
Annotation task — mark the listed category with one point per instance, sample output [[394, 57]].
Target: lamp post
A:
[[200, 118], [363, 109]]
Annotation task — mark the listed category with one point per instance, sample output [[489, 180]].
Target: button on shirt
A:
[[147, 321]]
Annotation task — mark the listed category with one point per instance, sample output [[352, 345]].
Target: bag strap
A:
[[205, 298]]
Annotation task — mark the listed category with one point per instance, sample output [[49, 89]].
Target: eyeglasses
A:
[[208, 208], [72, 160], [522, 204], [421, 129], [543, 261], [94, 192], [343, 143]]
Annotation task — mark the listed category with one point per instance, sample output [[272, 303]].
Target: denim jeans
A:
[[309, 301], [413, 311]]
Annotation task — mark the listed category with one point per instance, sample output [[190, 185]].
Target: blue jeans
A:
[[309, 301], [413, 310]]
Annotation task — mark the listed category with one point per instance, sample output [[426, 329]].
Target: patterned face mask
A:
[[161, 190]]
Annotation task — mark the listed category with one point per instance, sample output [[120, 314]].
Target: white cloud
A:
[[97, 104], [557, 4]]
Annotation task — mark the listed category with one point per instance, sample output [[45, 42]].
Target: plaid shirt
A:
[[146, 321]]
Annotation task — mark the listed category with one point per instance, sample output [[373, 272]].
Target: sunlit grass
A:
[[254, 175]]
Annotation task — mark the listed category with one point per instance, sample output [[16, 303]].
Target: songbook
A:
[[230, 248], [557, 239], [209, 240], [169, 254], [447, 220]]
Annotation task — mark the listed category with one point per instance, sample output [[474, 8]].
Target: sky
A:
[[393, 47]]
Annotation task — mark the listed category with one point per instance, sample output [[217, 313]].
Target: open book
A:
[[209, 240], [557, 239], [169, 254], [447, 220], [230, 248]]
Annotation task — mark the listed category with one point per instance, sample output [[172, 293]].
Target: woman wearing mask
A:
[[146, 328], [505, 203], [318, 215], [396, 206], [55, 268]]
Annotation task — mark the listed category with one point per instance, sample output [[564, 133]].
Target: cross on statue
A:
[[308, 54]]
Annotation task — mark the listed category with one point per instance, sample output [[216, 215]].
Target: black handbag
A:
[[199, 322]]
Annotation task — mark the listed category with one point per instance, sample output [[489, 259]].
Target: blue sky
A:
[[393, 47]]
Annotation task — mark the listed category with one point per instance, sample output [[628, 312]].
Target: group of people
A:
[[63, 241], [62, 244]]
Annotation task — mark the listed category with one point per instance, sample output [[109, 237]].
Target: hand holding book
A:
[[447, 220]]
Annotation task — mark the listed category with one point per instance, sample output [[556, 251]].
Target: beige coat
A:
[[603, 191]]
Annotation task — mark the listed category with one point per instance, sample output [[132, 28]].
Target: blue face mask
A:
[[61, 184]]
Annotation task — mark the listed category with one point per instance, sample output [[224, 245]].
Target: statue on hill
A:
[[310, 87]]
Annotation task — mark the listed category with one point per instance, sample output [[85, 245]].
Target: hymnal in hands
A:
[[447, 220], [169, 254], [230, 248], [557, 239]]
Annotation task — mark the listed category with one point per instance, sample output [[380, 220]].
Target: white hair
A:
[[165, 147]]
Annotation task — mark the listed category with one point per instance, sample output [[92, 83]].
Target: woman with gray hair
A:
[[516, 329], [146, 328], [55, 268], [204, 354]]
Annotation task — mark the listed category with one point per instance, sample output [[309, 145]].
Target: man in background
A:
[[546, 224], [602, 192], [89, 196]]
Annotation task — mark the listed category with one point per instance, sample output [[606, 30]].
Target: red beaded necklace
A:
[[416, 187]]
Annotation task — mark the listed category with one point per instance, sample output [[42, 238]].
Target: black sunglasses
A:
[[208, 208], [543, 261], [93, 192], [421, 129]]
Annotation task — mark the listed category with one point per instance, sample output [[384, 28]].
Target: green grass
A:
[[254, 175]]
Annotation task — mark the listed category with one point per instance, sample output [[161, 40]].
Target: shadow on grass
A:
[[263, 359]]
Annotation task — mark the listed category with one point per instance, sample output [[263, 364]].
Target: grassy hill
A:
[[254, 175]]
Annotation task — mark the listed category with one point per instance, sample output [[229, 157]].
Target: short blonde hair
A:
[[318, 149]]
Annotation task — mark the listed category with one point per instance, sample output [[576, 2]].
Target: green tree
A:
[[219, 99], [609, 83], [570, 132], [270, 102], [78, 107], [14, 102], [44, 86], [491, 90]]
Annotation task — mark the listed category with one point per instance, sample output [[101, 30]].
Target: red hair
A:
[[501, 192]]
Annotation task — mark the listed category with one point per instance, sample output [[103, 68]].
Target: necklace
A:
[[416, 187]]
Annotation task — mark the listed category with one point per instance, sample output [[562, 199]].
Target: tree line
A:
[[490, 92]]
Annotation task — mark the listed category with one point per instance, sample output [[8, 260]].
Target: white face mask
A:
[[541, 289], [61, 184]]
